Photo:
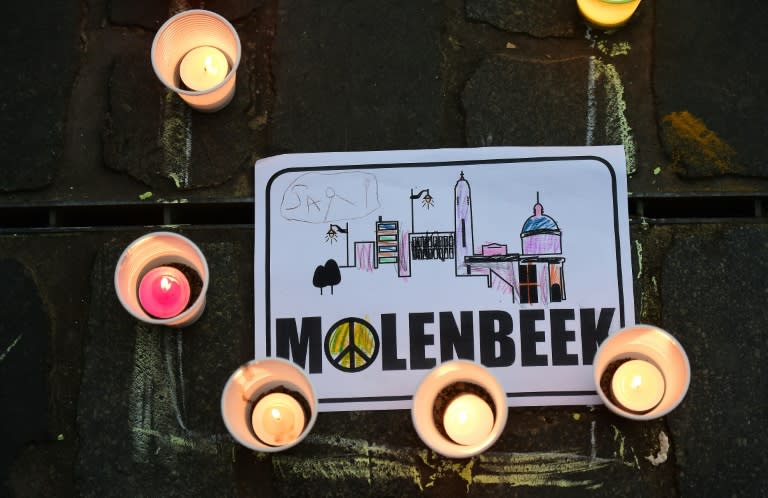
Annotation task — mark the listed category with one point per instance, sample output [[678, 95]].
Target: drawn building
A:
[[540, 234], [387, 234], [465, 242], [533, 276], [540, 269]]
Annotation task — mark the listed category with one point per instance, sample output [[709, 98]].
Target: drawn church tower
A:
[[465, 243]]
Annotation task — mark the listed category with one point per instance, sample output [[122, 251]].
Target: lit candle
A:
[[164, 292], [277, 419], [607, 13], [638, 385], [468, 419], [203, 68]]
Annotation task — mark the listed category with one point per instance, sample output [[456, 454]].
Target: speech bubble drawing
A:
[[328, 197]]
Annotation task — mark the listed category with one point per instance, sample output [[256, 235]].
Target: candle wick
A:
[[636, 382], [208, 65], [276, 414]]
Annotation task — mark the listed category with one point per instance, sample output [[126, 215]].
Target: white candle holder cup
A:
[[151, 251], [436, 384], [182, 33], [251, 382], [651, 344]]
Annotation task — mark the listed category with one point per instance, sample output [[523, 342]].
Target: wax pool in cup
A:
[[203, 68], [164, 292], [468, 419], [278, 419], [638, 385]]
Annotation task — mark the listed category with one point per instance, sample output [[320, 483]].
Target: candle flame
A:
[[208, 65], [276, 414], [637, 381], [165, 284]]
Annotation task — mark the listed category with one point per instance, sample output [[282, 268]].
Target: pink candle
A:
[[164, 292]]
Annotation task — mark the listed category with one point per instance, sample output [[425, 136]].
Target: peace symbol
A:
[[351, 345]]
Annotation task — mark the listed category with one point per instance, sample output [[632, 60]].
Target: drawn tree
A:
[[332, 273], [327, 274], [319, 279]]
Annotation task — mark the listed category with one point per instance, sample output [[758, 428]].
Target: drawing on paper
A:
[[328, 197], [327, 275], [534, 275], [351, 345]]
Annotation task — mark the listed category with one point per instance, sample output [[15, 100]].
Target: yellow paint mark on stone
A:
[[145, 196], [565, 470], [60, 437], [614, 49], [657, 170], [332, 468], [147, 432], [180, 441], [442, 468], [176, 179], [696, 148], [511, 45], [639, 249], [386, 469], [376, 463], [618, 436], [359, 460], [576, 416]]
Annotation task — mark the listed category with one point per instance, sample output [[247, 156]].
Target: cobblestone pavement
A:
[[96, 150]]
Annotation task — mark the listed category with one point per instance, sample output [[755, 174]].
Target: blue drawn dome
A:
[[539, 221], [542, 222]]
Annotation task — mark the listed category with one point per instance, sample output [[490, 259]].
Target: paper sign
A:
[[373, 267]]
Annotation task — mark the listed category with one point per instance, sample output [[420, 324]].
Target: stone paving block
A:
[[539, 18], [152, 14], [24, 334], [148, 421], [357, 75], [55, 289], [512, 101], [148, 414], [40, 50], [711, 87], [233, 9], [152, 135], [714, 293], [555, 451], [149, 14]]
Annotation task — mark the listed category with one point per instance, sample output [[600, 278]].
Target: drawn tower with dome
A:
[[533, 276]]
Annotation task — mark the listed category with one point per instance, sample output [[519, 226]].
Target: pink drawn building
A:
[[494, 249], [533, 276]]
